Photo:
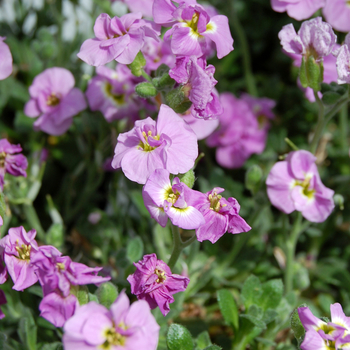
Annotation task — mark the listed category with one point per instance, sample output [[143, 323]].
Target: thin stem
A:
[[343, 127], [179, 245], [320, 124], [33, 220], [146, 76], [291, 144], [249, 77], [290, 253]]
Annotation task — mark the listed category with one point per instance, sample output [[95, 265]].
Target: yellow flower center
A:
[[161, 276], [170, 196], [113, 338], [53, 100], [60, 266], [23, 251], [145, 146], [118, 99], [305, 186], [2, 159], [215, 201]]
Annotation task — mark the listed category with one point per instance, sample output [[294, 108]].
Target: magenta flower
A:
[[192, 28], [153, 281], [19, 249], [324, 334], [198, 85], [117, 39], [5, 60], [261, 107], [343, 62], [3, 301], [298, 9], [294, 184], [10, 162], [168, 144], [54, 100], [337, 14], [220, 215], [123, 327], [164, 200], [239, 135], [112, 92], [57, 309], [315, 38]]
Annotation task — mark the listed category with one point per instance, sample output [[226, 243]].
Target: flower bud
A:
[[253, 178], [137, 64], [107, 294], [339, 201], [146, 90]]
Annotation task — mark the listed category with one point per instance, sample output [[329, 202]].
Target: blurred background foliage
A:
[[73, 186]]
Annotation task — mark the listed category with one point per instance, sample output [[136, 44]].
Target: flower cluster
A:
[[11, 162], [153, 281], [294, 184], [28, 263], [325, 335]]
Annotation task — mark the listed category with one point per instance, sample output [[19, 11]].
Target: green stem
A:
[[33, 220], [320, 124], [146, 76], [343, 126], [290, 253], [291, 144], [249, 77], [179, 245]]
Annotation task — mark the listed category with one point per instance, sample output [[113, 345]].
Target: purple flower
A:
[[323, 334], [220, 215], [19, 249], [164, 200], [294, 184], [58, 273], [5, 60], [315, 38], [10, 162], [54, 100], [337, 14], [192, 28], [153, 281], [343, 62], [143, 6], [112, 92], [117, 39], [168, 144], [58, 309], [239, 134], [298, 9], [198, 85], [261, 107], [123, 327], [3, 301]]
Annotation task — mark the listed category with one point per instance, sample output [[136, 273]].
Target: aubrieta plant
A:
[[151, 196]]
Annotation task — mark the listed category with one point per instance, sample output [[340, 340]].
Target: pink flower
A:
[[123, 327], [220, 216], [239, 134], [198, 85], [3, 301], [190, 24], [164, 200], [54, 100], [10, 162], [153, 281], [5, 60], [117, 39], [343, 62], [168, 144], [337, 14], [261, 107], [298, 9], [19, 249], [112, 92], [315, 38], [294, 184]]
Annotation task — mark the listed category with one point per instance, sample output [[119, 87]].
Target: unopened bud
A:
[[137, 64], [146, 90], [187, 178], [107, 294], [253, 178], [339, 201]]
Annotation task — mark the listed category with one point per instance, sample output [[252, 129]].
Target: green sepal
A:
[[146, 90], [302, 74], [177, 100], [297, 327], [164, 82], [188, 178], [137, 64], [82, 294], [314, 71]]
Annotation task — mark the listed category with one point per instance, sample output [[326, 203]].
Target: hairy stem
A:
[[320, 124]]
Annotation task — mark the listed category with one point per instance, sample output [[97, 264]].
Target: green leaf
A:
[[228, 307], [134, 249], [330, 97], [3, 338], [251, 291], [2, 205], [297, 327], [188, 178], [107, 294], [164, 82], [27, 331], [258, 323], [271, 295], [213, 347], [203, 340], [55, 236], [179, 338], [52, 346]]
